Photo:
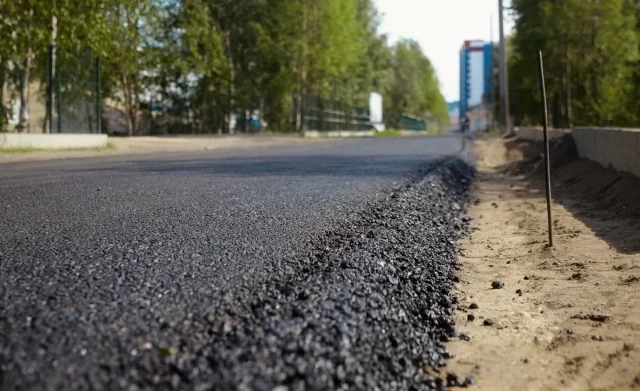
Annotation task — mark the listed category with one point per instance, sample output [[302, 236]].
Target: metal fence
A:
[[406, 122], [76, 104], [38, 97], [328, 114]]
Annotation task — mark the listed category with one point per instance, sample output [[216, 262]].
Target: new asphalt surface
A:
[[316, 265]]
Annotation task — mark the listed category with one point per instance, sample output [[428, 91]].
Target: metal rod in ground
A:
[[545, 124]]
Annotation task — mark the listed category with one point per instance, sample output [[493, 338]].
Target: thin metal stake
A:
[[545, 124]]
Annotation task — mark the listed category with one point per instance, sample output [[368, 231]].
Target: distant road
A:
[[97, 254]]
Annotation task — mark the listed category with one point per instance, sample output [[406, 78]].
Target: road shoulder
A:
[[122, 146], [548, 335]]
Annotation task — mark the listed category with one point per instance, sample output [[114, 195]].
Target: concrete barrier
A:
[[535, 134], [614, 147], [52, 141], [611, 147]]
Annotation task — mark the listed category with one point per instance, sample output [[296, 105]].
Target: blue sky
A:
[[441, 26]]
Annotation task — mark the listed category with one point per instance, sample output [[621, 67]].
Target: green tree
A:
[[414, 88], [588, 47], [310, 44]]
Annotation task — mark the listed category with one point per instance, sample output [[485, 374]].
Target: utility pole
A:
[[505, 120], [492, 105]]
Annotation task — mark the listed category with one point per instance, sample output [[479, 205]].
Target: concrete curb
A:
[[611, 147], [339, 133], [52, 141]]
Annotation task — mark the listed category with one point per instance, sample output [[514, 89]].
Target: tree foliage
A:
[[590, 50], [200, 65], [414, 87]]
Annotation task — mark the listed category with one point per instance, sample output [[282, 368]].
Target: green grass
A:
[[110, 146], [388, 133]]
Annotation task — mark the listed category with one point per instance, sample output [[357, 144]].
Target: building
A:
[[476, 69]]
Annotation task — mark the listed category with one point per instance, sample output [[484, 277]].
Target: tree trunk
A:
[[569, 102], [87, 108], [302, 73], [203, 106], [23, 118], [3, 111], [135, 100], [128, 104], [231, 85]]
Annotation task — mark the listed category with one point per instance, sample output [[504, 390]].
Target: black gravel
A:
[[364, 306]]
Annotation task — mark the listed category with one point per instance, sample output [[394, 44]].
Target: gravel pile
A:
[[366, 308]]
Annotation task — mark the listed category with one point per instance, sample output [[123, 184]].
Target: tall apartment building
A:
[[476, 68]]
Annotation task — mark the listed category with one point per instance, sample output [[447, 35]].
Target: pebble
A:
[[520, 292], [497, 284], [453, 380], [473, 306], [471, 317], [488, 322]]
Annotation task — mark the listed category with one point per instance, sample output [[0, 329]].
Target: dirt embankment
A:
[[568, 317]]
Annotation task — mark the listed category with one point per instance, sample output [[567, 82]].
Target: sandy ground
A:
[[137, 145], [536, 341]]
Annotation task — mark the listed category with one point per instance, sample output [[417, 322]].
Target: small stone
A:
[[488, 322], [453, 380], [464, 337], [570, 331], [520, 292], [497, 285], [469, 381], [473, 306], [471, 317], [526, 277]]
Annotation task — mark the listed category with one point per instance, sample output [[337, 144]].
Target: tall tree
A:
[[414, 88], [588, 47]]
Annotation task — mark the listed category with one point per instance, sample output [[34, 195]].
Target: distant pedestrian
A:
[[465, 125]]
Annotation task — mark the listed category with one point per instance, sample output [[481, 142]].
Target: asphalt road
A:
[[103, 257]]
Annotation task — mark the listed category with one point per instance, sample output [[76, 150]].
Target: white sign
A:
[[375, 108]]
